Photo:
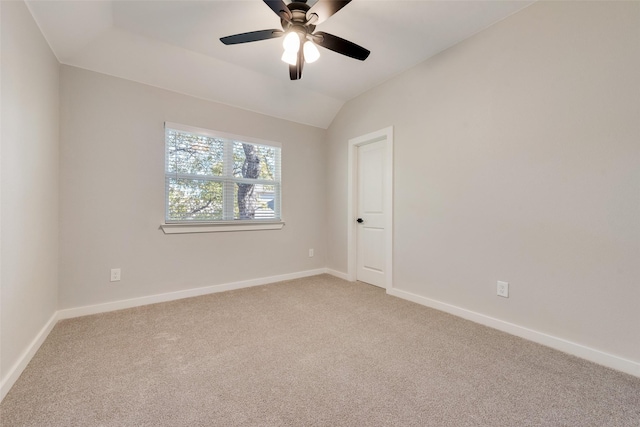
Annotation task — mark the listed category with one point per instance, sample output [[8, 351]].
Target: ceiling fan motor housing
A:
[[298, 22]]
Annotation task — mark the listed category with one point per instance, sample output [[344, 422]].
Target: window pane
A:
[[255, 201], [254, 161], [194, 154], [202, 173], [194, 200]]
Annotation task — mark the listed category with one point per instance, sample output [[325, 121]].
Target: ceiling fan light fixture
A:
[[290, 57], [311, 53], [291, 42]]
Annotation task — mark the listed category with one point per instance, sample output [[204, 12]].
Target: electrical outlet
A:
[[503, 289], [115, 274], [310, 253]]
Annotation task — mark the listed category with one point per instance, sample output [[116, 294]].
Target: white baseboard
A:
[[336, 273], [187, 293], [579, 350], [24, 359]]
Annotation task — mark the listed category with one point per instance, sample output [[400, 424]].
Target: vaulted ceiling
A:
[[175, 45]]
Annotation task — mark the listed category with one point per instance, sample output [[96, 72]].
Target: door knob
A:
[[360, 220]]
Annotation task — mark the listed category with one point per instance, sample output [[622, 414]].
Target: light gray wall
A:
[[517, 158], [29, 248], [112, 195]]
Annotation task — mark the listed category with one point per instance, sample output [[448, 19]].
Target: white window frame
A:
[[228, 223]]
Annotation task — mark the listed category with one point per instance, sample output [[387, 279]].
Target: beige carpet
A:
[[311, 352]]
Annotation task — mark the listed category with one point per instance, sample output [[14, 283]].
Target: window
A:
[[211, 177]]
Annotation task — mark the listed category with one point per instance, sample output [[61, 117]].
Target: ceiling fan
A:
[[299, 22]]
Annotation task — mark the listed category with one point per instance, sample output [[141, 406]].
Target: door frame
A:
[[385, 135]]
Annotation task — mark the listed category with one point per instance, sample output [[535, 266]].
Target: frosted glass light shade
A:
[[291, 42], [290, 57], [311, 53]]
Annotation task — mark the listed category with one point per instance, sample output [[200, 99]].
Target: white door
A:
[[370, 226]]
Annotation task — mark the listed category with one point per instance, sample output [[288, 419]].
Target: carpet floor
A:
[[317, 351]]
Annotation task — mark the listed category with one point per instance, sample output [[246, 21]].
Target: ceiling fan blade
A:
[[295, 71], [339, 45], [252, 36], [325, 9], [279, 7]]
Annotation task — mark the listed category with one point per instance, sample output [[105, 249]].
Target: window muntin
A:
[[213, 177]]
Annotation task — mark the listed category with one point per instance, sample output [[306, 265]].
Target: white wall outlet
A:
[[115, 274], [310, 253], [503, 289]]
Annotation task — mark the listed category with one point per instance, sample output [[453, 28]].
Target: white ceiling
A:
[[175, 45]]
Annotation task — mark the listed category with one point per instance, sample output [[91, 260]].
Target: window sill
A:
[[212, 227]]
